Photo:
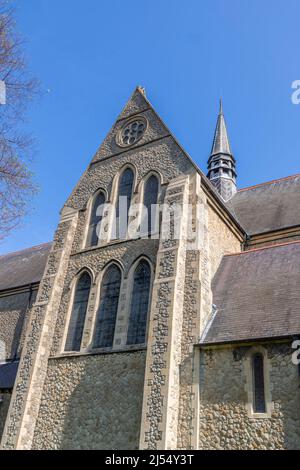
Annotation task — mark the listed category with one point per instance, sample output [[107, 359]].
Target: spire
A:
[[221, 141], [221, 163]]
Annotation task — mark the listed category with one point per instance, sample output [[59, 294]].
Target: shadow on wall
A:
[[5, 396], [92, 402], [13, 309]]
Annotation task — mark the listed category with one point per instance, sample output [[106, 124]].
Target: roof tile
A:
[[23, 267], [257, 295]]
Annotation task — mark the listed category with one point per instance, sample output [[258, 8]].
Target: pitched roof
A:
[[257, 295], [8, 374], [23, 267], [268, 206]]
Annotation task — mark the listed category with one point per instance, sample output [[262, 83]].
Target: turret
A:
[[221, 163]]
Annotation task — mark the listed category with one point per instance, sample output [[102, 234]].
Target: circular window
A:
[[132, 132]]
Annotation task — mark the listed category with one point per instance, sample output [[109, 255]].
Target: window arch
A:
[[108, 307], [149, 222], [123, 202], [259, 400], [79, 308], [139, 305], [95, 219]]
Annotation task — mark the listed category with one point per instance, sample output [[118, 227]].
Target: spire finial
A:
[[221, 106]]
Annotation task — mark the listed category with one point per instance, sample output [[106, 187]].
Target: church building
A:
[[135, 338]]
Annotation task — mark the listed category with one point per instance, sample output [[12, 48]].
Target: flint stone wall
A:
[[224, 422], [222, 240], [92, 402]]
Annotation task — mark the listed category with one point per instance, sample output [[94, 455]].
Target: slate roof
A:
[[257, 295], [268, 206], [23, 267], [8, 374]]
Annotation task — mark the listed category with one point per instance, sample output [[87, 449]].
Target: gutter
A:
[[20, 289], [245, 342]]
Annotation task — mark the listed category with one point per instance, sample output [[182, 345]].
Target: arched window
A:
[[108, 307], [95, 219], [149, 223], [123, 202], [139, 304], [259, 401], [80, 303]]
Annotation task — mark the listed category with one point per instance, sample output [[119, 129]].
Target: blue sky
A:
[[89, 56]]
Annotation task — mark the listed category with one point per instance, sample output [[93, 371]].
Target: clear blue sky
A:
[[91, 54]]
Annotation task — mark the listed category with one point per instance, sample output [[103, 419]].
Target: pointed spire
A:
[[221, 163], [221, 141]]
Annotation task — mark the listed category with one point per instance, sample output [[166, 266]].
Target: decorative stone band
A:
[[24, 406]]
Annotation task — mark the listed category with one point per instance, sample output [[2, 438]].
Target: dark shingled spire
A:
[[221, 163], [221, 142]]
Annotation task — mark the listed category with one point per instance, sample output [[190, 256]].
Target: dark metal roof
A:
[[268, 206], [23, 267], [256, 295], [8, 374]]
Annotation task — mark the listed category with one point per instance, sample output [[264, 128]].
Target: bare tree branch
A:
[[16, 184]]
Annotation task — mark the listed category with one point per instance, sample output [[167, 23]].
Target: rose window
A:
[[132, 132]]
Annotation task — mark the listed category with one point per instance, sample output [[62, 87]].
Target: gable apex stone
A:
[[137, 103]]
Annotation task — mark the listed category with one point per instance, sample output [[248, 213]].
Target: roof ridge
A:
[[263, 248], [268, 182], [25, 249]]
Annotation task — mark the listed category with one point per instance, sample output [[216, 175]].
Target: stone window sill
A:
[[266, 415], [100, 351], [113, 242]]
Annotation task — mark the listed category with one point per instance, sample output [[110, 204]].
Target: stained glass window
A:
[[80, 302], [108, 307], [259, 402], [150, 222], [139, 304], [123, 202], [95, 219]]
